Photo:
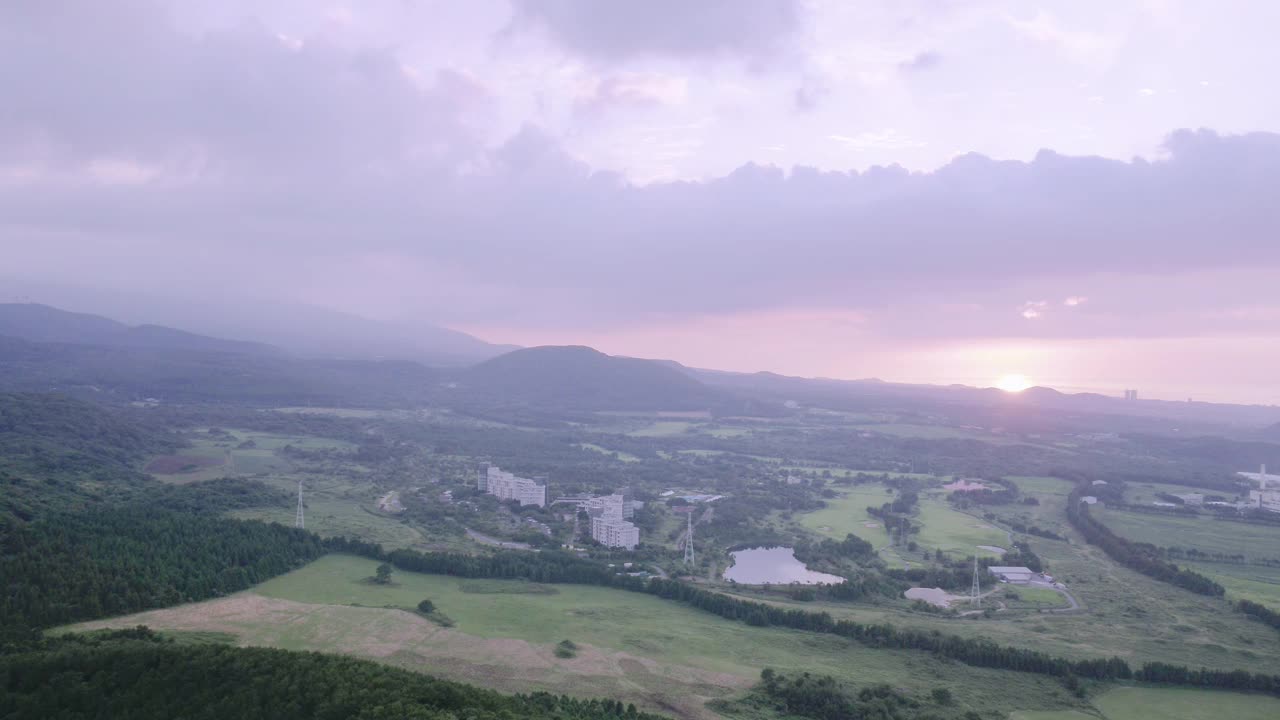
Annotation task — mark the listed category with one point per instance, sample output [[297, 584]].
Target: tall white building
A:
[[608, 524], [507, 486]]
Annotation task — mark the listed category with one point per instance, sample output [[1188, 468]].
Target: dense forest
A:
[[135, 674], [119, 560], [57, 454]]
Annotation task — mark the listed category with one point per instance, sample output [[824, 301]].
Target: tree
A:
[[426, 607], [383, 576]]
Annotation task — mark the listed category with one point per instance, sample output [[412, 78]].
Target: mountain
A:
[[581, 378], [44, 324], [127, 373]]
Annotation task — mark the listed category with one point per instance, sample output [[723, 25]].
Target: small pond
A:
[[775, 565]]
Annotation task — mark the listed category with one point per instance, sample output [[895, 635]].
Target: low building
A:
[[507, 486], [1010, 574], [1089, 500]]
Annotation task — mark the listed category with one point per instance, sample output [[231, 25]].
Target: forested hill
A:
[[581, 378], [58, 453], [134, 674]]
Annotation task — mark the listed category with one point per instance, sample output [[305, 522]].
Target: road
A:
[[495, 542]]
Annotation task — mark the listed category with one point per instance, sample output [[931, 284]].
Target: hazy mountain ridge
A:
[[580, 377], [45, 324]]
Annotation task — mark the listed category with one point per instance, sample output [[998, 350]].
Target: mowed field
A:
[[955, 532], [635, 647], [1130, 703], [943, 527], [1202, 533], [1258, 583], [847, 515]]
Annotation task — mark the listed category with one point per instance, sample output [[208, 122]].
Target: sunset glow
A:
[[1013, 383]]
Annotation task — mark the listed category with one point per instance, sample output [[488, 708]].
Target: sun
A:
[[1013, 383]]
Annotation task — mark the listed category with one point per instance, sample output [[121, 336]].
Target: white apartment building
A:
[[608, 526], [507, 486], [615, 533]]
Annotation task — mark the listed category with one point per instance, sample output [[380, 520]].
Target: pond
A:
[[775, 565]]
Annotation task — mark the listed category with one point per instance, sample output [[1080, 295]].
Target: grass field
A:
[[1251, 582], [638, 648], [1032, 597], [1130, 703], [847, 514], [663, 428], [936, 432], [236, 461], [955, 532], [1202, 533]]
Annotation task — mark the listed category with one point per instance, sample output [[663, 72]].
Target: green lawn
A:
[[847, 514], [1203, 533], [1251, 582], [954, 531], [1129, 703]]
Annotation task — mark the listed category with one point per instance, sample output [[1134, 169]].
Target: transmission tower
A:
[[976, 593], [688, 540], [298, 520]]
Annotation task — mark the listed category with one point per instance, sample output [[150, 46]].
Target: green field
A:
[[1251, 582], [635, 647], [263, 457], [1032, 597], [663, 428], [1202, 533], [847, 514], [936, 432], [1130, 703], [955, 532]]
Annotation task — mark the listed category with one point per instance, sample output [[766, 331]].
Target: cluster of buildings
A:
[[610, 514], [1267, 496], [507, 486]]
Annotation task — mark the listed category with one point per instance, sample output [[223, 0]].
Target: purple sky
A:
[[920, 190]]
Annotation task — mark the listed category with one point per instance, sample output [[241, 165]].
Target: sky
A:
[[918, 190]]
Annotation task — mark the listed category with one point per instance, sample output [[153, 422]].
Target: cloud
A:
[[619, 31], [633, 89], [1075, 301], [1033, 309], [921, 61], [173, 161], [887, 139]]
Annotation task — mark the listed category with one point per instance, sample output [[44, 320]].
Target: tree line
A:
[[1259, 612]]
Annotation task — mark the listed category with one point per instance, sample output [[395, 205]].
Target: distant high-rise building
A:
[[507, 486], [1130, 394]]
